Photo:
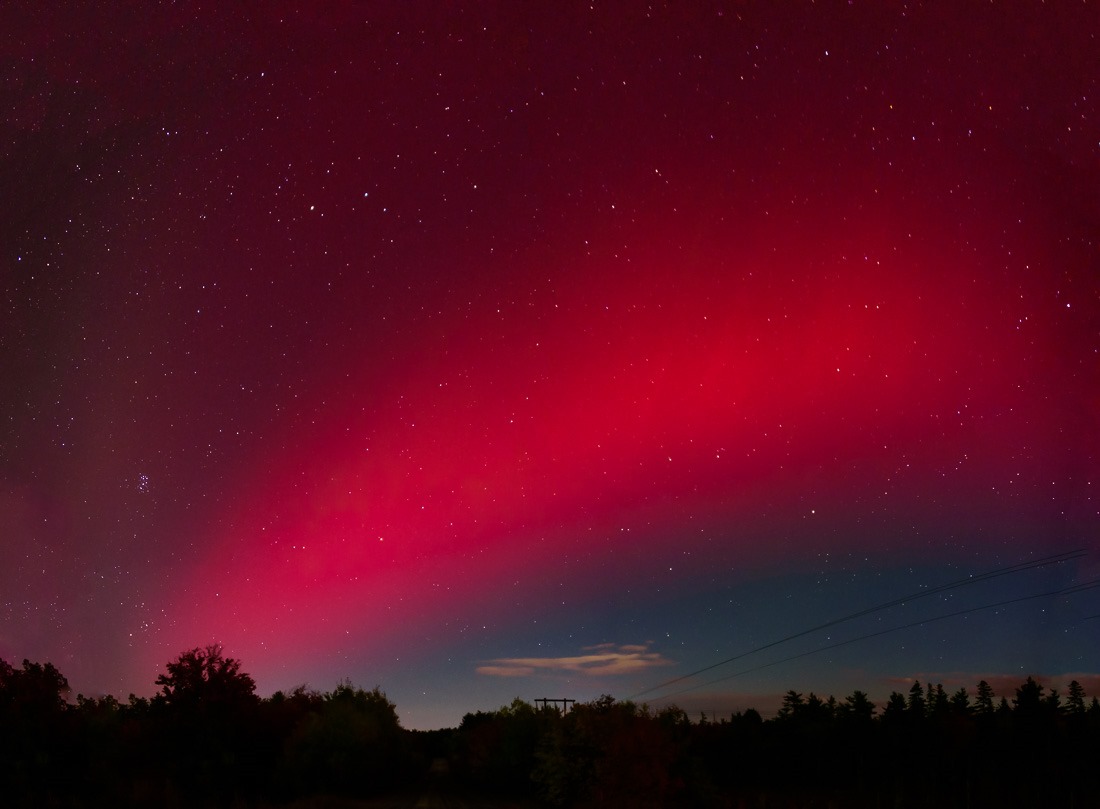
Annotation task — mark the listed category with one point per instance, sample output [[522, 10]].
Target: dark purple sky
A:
[[478, 351]]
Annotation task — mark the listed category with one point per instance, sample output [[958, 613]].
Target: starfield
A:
[[685, 353]]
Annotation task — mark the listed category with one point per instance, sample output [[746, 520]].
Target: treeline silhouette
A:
[[206, 739]]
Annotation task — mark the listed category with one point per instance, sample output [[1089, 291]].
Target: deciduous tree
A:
[[204, 678]]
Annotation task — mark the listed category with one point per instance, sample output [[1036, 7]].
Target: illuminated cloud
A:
[[605, 659]]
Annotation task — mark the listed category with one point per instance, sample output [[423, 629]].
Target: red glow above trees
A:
[[706, 385]]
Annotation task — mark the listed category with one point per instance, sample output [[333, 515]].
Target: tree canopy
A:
[[205, 678], [206, 739]]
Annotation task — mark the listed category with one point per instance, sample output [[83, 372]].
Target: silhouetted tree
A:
[[983, 704], [937, 700], [34, 690], [205, 679], [34, 733], [352, 744], [960, 702], [895, 709], [1075, 699], [498, 748], [605, 753], [205, 722], [1053, 701], [1029, 699], [792, 703], [916, 703], [101, 750], [853, 739], [815, 709], [857, 707]]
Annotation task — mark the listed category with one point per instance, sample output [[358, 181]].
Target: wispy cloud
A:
[[606, 659]]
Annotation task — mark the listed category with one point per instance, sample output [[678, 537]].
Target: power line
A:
[[1019, 567], [1077, 588]]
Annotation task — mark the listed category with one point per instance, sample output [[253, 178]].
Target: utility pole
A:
[[564, 703]]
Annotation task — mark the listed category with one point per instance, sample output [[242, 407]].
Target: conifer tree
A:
[[917, 703], [1075, 699], [984, 702]]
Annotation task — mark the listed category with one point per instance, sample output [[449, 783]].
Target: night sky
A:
[[479, 351]]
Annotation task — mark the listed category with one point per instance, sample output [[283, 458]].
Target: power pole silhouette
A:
[[564, 703]]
